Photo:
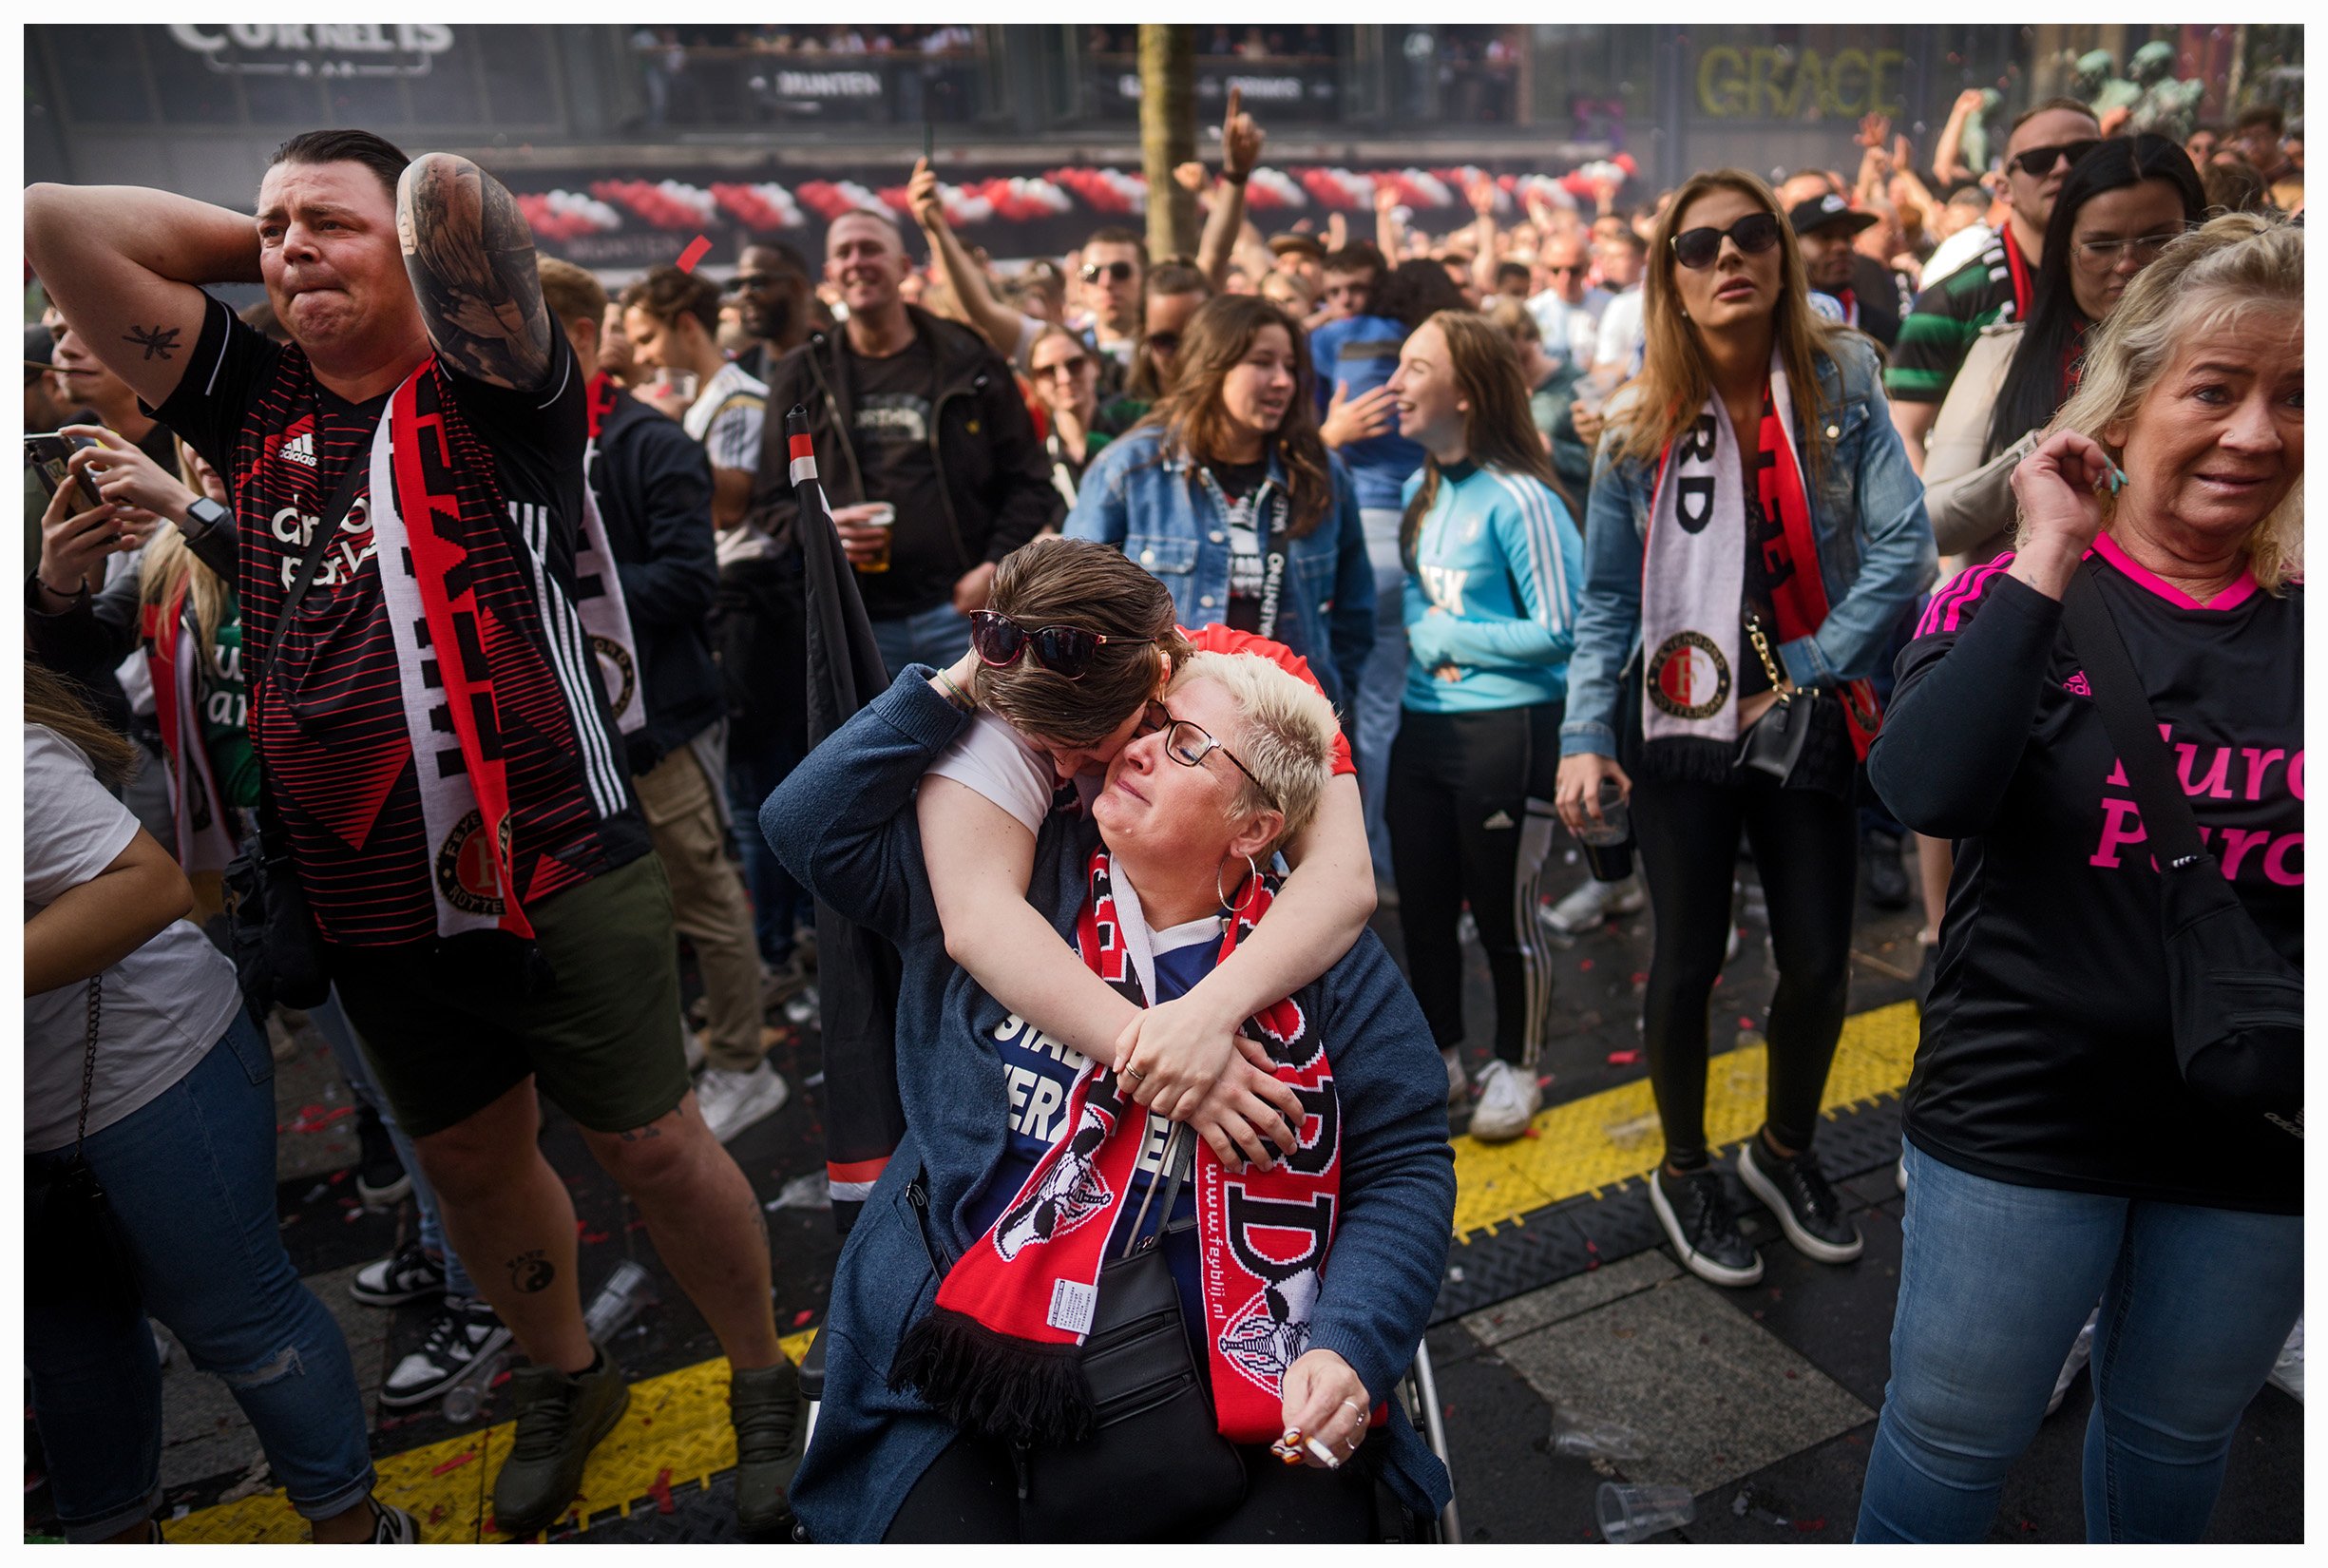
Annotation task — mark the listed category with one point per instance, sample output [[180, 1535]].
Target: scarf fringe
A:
[[1011, 1389]]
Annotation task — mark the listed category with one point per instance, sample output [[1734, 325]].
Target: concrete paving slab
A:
[[1714, 1395], [1571, 1296]]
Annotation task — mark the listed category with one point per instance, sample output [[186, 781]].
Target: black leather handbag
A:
[[1157, 1467], [271, 936], [2236, 1005], [1773, 743]]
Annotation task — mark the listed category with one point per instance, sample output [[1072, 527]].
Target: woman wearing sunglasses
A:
[[1493, 564], [1754, 535], [2118, 206], [1227, 494], [1067, 385], [1066, 667]]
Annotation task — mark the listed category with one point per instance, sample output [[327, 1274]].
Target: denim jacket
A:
[[1875, 554], [1154, 512]]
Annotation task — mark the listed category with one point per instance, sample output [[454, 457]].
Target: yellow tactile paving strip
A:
[[676, 1429]]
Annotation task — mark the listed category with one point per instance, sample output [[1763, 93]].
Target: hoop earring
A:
[[1252, 879]]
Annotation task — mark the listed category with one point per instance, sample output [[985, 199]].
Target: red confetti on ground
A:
[[660, 1492], [803, 1315], [1584, 966], [591, 1238], [636, 1225], [466, 1456], [696, 250], [1640, 977], [1718, 979], [499, 1378], [1792, 1374], [1591, 1264], [313, 1118], [1532, 1132], [337, 1176], [436, 1514], [352, 1216], [1745, 1023], [1589, 1246], [1623, 1058], [1807, 1525]]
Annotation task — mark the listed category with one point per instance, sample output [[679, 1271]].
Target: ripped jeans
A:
[[191, 1176]]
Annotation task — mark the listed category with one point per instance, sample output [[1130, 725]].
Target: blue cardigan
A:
[[843, 826]]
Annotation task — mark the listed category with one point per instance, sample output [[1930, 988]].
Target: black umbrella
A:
[[858, 972]]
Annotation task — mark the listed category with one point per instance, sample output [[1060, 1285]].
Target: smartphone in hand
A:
[[48, 455]]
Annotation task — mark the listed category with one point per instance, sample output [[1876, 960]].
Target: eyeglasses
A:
[[2104, 255], [2039, 162], [1062, 650], [1189, 743], [1120, 271], [1753, 233]]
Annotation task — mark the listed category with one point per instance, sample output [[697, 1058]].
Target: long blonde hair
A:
[[166, 563], [2201, 283], [1675, 381]]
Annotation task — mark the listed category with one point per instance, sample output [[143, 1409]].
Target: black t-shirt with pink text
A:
[[2047, 1059]]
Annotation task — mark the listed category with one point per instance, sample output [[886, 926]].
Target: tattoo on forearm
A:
[[157, 341], [532, 1272], [471, 261]]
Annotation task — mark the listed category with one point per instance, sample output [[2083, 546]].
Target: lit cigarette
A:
[[1322, 1454]]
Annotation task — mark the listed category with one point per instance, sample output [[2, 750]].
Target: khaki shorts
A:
[[604, 1037]]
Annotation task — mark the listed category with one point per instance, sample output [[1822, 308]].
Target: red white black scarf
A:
[[1693, 574], [996, 1352], [450, 640], [173, 653]]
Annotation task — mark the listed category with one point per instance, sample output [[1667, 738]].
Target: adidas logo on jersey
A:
[[1501, 819], [300, 448]]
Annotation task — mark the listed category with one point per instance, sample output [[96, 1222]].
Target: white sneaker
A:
[[1457, 1080], [2081, 1352], [694, 1050], [1591, 904], [733, 1101], [1509, 1100], [2287, 1372]]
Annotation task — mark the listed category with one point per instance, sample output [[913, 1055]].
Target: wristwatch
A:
[[202, 515]]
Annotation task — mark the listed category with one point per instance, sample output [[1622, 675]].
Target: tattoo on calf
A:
[[157, 341], [532, 1272]]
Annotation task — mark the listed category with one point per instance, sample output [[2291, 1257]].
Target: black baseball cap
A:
[[1821, 211]]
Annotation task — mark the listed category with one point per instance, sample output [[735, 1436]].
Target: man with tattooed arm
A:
[[441, 752]]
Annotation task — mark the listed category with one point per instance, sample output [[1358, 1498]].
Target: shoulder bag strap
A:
[[334, 513], [2166, 817], [1176, 1169], [88, 1060]]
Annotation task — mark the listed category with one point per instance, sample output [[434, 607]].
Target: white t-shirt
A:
[[1003, 765], [727, 417], [1570, 329], [162, 1007], [1622, 331]]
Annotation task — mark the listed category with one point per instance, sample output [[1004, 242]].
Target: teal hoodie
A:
[[1491, 593]]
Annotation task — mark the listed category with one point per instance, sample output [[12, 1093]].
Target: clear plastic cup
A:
[[1585, 1437], [1630, 1514], [1608, 842], [884, 517]]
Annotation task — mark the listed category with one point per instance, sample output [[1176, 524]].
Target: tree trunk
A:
[[1168, 134]]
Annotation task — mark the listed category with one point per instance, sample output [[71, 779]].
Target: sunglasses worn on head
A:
[[1062, 650], [1120, 271], [1753, 233], [2039, 162]]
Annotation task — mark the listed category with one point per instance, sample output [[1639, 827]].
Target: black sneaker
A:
[[771, 1419], [380, 1178], [1880, 864], [560, 1419], [460, 1332], [392, 1527], [1696, 1214], [406, 1274], [1804, 1205]]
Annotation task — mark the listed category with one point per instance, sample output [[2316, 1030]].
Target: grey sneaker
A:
[[771, 1429], [560, 1419]]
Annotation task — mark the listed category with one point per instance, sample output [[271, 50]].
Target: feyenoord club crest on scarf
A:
[[997, 1353]]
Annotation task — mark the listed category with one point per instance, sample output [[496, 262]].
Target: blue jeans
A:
[[936, 637], [1995, 1281], [779, 903], [1382, 681], [191, 1177], [333, 1023]]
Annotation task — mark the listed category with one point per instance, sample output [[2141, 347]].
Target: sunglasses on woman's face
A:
[[1120, 271], [2039, 162], [1062, 650], [1753, 233]]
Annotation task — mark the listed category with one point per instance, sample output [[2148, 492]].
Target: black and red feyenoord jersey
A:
[[327, 715], [2046, 1058]]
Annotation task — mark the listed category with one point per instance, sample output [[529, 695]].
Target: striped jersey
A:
[[1491, 593], [727, 417], [327, 712], [1940, 332]]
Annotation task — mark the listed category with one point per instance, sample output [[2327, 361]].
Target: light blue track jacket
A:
[[1491, 595]]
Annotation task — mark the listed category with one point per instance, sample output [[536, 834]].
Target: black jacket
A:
[[1877, 288], [992, 470], [654, 490]]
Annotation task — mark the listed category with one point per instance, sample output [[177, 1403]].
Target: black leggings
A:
[[1806, 846], [1470, 812], [970, 1494]]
